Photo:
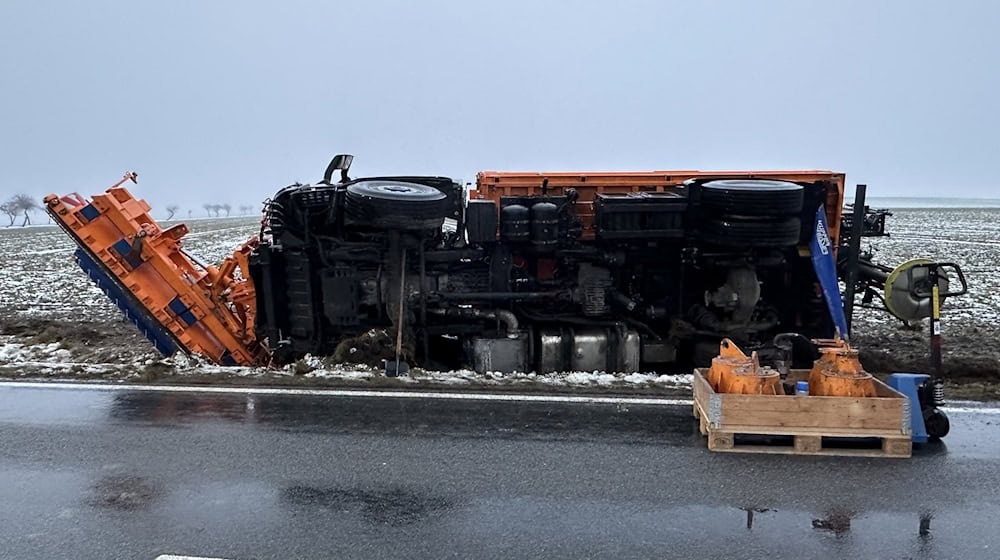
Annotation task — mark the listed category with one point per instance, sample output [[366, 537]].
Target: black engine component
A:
[[640, 216], [519, 282], [481, 221]]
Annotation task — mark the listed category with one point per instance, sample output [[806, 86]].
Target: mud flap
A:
[[821, 249]]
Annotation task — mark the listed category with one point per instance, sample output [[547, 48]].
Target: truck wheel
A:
[[396, 204], [733, 232], [752, 197]]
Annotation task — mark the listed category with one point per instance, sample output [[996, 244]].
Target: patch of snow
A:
[[352, 375], [12, 352]]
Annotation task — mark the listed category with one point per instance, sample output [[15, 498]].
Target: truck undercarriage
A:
[[543, 272]]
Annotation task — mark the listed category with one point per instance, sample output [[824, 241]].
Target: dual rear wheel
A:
[[751, 213]]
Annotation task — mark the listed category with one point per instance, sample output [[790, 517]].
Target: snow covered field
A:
[[39, 277], [971, 323], [54, 321]]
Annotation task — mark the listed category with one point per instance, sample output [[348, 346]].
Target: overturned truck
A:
[[544, 272]]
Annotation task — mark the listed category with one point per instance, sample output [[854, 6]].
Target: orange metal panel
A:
[[156, 272], [497, 184]]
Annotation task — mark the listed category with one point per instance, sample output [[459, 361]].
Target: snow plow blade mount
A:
[[176, 303]]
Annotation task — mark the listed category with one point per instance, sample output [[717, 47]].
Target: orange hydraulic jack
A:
[[733, 372], [177, 302], [838, 373]]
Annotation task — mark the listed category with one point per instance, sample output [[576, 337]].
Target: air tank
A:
[[515, 223], [544, 225]]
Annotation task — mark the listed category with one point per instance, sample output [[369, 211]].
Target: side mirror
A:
[[341, 162]]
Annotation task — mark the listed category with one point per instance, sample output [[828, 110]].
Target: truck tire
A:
[[396, 204], [731, 232], [752, 197]]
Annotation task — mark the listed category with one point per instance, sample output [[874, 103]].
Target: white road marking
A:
[[387, 393], [958, 407], [972, 409], [176, 557]]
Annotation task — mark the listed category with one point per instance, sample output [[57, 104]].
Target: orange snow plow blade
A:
[[177, 303]]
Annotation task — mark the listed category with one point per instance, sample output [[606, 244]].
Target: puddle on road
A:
[[123, 493], [836, 520], [385, 506], [843, 529], [752, 530], [750, 514], [182, 407], [638, 423]]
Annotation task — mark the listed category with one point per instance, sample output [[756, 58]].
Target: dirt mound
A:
[[45, 331], [87, 341], [370, 348], [956, 368], [69, 333], [890, 349]]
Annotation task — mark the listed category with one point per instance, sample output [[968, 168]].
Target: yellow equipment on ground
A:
[[733, 371], [838, 373]]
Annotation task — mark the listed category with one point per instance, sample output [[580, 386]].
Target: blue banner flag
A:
[[826, 271]]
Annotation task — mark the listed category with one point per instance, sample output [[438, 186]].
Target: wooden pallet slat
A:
[[808, 444], [815, 425]]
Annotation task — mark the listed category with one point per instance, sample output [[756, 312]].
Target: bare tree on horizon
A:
[[9, 209], [171, 210], [17, 204]]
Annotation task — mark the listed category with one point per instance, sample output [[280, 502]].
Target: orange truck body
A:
[[496, 184], [180, 304]]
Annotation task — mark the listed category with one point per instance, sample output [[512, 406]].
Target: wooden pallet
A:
[[804, 425]]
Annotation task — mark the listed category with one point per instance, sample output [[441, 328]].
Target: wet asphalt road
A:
[[123, 474]]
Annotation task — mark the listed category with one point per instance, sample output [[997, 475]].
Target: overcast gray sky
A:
[[229, 100]]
